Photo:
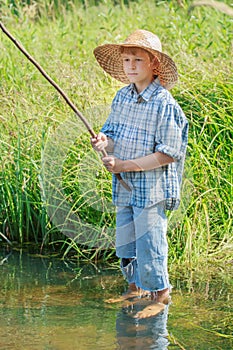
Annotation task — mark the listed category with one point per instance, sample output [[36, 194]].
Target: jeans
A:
[[141, 243], [147, 334]]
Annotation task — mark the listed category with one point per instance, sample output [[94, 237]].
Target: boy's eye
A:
[[128, 59]]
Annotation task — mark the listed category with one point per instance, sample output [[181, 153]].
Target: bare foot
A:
[[126, 296], [151, 310], [132, 292], [158, 301]]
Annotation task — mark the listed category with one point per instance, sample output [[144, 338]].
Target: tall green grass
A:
[[61, 36]]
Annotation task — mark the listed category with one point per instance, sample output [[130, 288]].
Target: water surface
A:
[[50, 304]]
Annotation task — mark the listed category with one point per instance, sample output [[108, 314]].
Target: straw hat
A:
[[109, 57]]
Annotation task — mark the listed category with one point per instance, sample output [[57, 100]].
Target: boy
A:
[[147, 133]]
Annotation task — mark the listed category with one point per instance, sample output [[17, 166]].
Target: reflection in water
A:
[[138, 334], [49, 304]]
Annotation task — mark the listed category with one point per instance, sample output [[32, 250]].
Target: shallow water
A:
[[49, 304]]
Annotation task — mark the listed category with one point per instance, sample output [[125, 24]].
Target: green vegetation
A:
[[51, 180]]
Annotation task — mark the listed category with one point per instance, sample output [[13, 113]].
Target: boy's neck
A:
[[140, 87]]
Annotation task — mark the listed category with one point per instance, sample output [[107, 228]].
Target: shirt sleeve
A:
[[108, 127], [172, 132]]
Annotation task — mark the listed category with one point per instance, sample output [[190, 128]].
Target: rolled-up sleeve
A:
[[108, 127], [172, 132]]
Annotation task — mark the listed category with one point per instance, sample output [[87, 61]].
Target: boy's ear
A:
[[155, 62]]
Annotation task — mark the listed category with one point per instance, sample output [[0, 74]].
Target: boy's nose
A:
[[132, 64]]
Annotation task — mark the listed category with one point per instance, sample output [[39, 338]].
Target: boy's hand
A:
[[99, 142], [113, 164]]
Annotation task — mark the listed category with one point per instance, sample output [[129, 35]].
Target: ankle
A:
[[160, 296], [133, 287]]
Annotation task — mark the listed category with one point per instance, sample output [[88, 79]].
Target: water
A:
[[49, 304]]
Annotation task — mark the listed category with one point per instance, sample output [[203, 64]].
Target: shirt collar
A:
[[146, 93]]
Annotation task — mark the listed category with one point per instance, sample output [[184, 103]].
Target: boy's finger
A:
[[107, 159]]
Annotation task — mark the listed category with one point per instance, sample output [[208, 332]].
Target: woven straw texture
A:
[[109, 57]]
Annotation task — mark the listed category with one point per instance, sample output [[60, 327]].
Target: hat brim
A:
[[109, 58]]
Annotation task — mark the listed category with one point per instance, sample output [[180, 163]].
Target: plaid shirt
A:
[[141, 124]]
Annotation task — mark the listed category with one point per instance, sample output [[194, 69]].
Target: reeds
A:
[[52, 183]]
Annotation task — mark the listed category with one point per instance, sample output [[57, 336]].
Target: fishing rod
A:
[[61, 92]]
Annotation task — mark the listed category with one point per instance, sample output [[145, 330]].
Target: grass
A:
[[52, 183]]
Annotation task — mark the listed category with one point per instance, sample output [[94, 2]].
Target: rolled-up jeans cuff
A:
[[129, 269]]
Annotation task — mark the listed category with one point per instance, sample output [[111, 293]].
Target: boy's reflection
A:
[[141, 334]]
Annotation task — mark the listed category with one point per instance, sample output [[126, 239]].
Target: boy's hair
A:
[[133, 51]]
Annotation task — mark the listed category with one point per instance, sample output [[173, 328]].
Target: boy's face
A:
[[138, 67]]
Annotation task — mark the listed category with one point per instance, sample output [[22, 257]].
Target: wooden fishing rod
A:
[[61, 92]]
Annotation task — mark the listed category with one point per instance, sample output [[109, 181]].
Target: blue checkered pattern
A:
[[141, 124]]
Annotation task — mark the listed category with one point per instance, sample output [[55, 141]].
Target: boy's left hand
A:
[[113, 164]]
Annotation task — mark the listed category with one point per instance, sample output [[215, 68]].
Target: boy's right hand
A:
[[99, 142]]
